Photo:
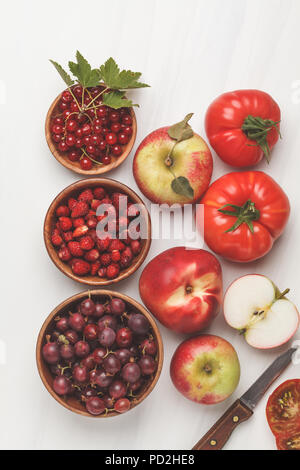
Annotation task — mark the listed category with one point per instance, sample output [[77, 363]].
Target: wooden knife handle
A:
[[219, 434]]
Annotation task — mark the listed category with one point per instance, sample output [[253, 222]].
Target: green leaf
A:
[[64, 75], [82, 70], [181, 130], [181, 185], [116, 80], [115, 99]]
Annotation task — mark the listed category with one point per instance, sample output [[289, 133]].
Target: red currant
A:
[[63, 146], [71, 125], [127, 120], [74, 155], [117, 150], [86, 163], [114, 116], [115, 127], [123, 138], [86, 129], [70, 140], [111, 138], [106, 160]]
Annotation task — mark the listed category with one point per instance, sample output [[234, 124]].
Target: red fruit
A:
[[64, 254], [112, 271], [62, 211], [116, 245], [90, 331], [115, 256], [56, 239], [86, 164], [105, 259], [86, 129], [75, 249], [80, 267], [78, 222], [102, 272], [135, 246], [80, 231], [95, 204], [99, 193], [125, 261], [91, 222], [72, 203], [65, 223], [117, 150], [103, 244], [128, 252], [148, 346], [116, 198], [124, 337], [67, 236], [74, 155], [87, 243], [122, 405], [106, 160], [80, 209], [70, 140], [95, 268], [86, 195], [76, 322], [92, 255]]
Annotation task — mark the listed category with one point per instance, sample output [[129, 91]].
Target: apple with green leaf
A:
[[173, 165], [255, 306], [205, 369]]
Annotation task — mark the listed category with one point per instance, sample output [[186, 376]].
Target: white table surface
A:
[[189, 51]]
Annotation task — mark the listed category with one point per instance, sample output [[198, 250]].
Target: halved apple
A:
[[256, 307]]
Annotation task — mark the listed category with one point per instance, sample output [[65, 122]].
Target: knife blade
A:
[[242, 409]]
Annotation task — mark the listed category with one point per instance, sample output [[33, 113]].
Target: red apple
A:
[[183, 288], [205, 369], [153, 173]]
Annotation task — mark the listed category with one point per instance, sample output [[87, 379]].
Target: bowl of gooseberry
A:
[[83, 251], [85, 136], [99, 353]]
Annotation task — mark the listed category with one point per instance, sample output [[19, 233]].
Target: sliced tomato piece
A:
[[283, 414]]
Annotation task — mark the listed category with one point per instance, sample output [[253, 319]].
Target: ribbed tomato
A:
[[283, 415], [242, 126], [244, 213]]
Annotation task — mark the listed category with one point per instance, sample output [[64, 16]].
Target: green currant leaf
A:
[[181, 185], [116, 99], [64, 75], [82, 70], [181, 130], [116, 80]]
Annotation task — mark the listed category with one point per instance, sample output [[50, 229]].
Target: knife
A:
[[242, 409]]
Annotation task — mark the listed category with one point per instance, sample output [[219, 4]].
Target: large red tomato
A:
[[242, 126], [244, 213], [283, 415]]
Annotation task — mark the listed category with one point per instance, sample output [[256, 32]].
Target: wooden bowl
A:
[[71, 402], [75, 166], [73, 190]]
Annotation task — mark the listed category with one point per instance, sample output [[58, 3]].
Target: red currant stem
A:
[[94, 106], [97, 96], [74, 97], [88, 156], [48, 337]]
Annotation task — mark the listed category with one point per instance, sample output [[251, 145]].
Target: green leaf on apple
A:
[[116, 99], [181, 130], [181, 185]]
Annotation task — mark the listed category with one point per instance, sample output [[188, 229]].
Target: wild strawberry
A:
[[118, 198], [115, 256], [135, 246], [62, 211], [102, 272], [72, 203], [105, 259], [80, 267], [64, 253], [78, 222], [125, 260], [106, 200], [95, 268], [92, 255], [67, 236], [99, 193], [56, 239], [116, 245], [112, 271], [86, 195], [128, 252], [75, 249], [80, 231], [91, 222], [87, 243], [80, 209], [91, 213], [65, 223], [95, 204], [103, 244], [92, 233]]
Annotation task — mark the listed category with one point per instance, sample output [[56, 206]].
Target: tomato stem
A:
[[244, 214], [257, 129]]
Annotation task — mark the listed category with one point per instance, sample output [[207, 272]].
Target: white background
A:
[[189, 51]]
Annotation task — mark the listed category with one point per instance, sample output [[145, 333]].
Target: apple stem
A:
[[282, 294]]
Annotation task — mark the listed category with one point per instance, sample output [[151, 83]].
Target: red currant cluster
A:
[[88, 131], [104, 354], [79, 244]]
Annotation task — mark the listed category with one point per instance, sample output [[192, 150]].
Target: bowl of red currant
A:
[[99, 353], [91, 126], [97, 231]]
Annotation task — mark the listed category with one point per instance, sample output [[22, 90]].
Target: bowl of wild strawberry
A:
[[85, 250], [89, 138], [99, 353]]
